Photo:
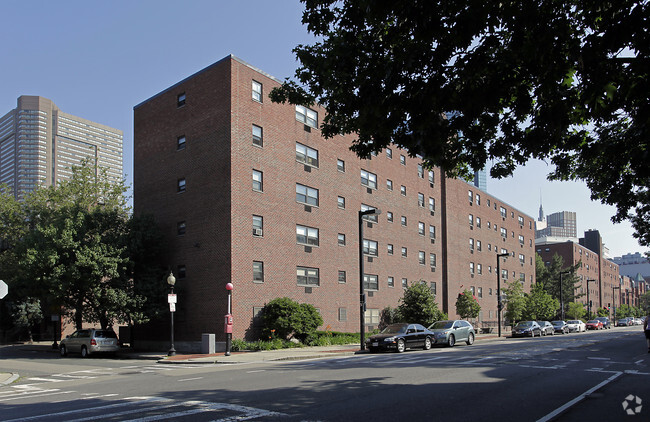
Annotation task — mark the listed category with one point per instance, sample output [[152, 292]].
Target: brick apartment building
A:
[[248, 191], [603, 273]]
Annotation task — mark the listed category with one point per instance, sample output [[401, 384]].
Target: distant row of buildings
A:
[[249, 192]]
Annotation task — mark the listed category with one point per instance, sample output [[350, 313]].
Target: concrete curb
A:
[[6, 379]]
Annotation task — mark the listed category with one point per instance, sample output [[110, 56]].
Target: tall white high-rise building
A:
[[39, 144]]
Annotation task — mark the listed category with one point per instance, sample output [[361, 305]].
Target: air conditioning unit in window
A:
[[257, 232]]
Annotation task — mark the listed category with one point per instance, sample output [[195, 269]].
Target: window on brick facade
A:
[[342, 278], [404, 252], [306, 195], [478, 222], [479, 269], [402, 160], [431, 177], [478, 245], [258, 138], [402, 190], [180, 100], [389, 153], [341, 239], [471, 220], [256, 91], [306, 155], [307, 276], [390, 249], [343, 314], [180, 143], [180, 228], [389, 216], [371, 316], [432, 204], [403, 219], [421, 258], [433, 287], [432, 232], [478, 199], [340, 165], [420, 171], [503, 211], [420, 228], [368, 179], [521, 240], [307, 116], [420, 200], [371, 281], [370, 247], [258, 225], [307, 235], [432, 260], [341, 202], [471, 244], [404, 283], [470, 194], [180, 185], [389, 184], [258, 181], [391, 281], [471, 268], [369, 217], [258, 272]]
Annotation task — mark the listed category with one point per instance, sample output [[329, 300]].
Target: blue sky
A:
[[97, 60]]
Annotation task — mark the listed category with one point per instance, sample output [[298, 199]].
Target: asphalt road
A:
[[575, 377]]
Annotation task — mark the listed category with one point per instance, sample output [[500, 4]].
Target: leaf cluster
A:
[[463, 83], [418, 305], [467, 306], [284, 317]]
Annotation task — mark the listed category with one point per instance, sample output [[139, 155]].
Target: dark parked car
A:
[[547, 328], [605, 321], [560, 327], [399, 337], [89, 341], [453, 331], [625, 322], [527, 329]]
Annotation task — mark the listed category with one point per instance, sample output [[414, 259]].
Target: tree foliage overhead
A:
[[549, 277], [540, 305], [461, 83]]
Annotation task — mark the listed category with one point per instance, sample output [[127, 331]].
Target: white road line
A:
[[190, 379], [257, 370], [44, 379], [561, 409], [597, 358], [34, 394]]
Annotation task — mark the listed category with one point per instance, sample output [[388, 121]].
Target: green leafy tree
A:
[[418, 305], [515, 301], [539, 304], [602, 312], [26, 314], [549, 277], [467, 306], [624, 311], [644, 303], [284, 317], [464, 83], [388, 316], [576, 310]]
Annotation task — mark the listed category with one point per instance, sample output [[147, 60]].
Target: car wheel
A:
[[401, 346], [84, 352], [427, 343], [470, 339], [451, 341], [63, 351]]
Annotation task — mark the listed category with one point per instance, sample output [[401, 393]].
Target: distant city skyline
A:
[[98, 60]]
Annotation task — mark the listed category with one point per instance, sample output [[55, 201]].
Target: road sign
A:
[[171, 298], [172, 307], [4, 289]]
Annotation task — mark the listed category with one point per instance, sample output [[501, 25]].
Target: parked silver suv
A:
[[89, 341]]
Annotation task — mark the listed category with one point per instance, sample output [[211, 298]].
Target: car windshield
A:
[[573, 322], [593, 321], [557, 322], [525, 324], [440, 325], [394, 329]]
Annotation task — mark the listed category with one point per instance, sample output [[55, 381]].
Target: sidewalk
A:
[[220, 358]]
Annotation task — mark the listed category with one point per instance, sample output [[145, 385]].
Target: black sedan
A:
[[398, 337], [560, 327]]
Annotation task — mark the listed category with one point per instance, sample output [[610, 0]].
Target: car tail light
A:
[[93, 342]]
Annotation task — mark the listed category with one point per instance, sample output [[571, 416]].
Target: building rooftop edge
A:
[[205, 69]]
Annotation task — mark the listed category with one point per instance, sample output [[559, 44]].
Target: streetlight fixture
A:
[[499, 303], [171, 280], [588, 301], [362, 290], [228, 322], [562, 294], [614, 300]]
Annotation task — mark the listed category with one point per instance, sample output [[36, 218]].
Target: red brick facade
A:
[[209, 225]]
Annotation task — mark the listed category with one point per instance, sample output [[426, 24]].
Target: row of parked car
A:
[[399, 337], [543, 328], [628, 321]]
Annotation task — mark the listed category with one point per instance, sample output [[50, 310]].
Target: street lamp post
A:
[[614, 300], [562, 294], [362, 290], [589, 280], [499, 303], [171, 280]]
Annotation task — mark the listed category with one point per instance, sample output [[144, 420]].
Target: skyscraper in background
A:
[[480, 179], [39, 145]]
